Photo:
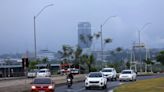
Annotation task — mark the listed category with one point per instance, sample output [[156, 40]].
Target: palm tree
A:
[[77, 54], [148, 62], [119, 49], [107, 40], [97, 35], [89, 60], [66, 53], [45, 60]]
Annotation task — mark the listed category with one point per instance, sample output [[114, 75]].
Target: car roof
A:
[[108, 68], [44, 69], [127, 70], [94, 72], [42, 78]]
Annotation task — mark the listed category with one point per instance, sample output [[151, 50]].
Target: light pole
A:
[[101, 29], [139, 40], [35, 47]]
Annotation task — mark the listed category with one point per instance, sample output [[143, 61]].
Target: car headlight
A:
[[86, 80], [50, 87], [33, 87], [130, 76]]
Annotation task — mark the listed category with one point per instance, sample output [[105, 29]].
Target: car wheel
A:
[[115, 79], [86, 88], [105, 86]]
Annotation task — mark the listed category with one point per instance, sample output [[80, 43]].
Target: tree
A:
[[128, 65], [32, 64], [107, 40], [160, 57], [148, 62], [89, 60], [77, 54], [118, 49], [97, 35], [45, 60], [66, 53]]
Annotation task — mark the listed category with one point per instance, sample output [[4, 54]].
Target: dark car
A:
[[42, 85]]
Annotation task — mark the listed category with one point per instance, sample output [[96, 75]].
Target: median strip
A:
[[150, 85]]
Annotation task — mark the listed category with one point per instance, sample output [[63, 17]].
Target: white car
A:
[[32, 74], [109, 73], [43, 73], [95, 79], [127, 75]]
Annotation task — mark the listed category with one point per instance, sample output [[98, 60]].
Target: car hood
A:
[[125, 75], [94, 79]]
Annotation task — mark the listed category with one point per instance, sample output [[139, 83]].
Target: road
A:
[[79, 87]]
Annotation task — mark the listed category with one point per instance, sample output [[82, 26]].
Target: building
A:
[[46, 54], [84, 34]]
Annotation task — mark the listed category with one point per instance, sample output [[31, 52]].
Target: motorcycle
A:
[[69, 82]]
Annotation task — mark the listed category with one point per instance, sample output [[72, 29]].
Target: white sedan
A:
[[95, 79], [127, 75]]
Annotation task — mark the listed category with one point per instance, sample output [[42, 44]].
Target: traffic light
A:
[[25, 62]]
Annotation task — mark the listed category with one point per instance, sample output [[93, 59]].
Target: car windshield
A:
[[95, 75], [126, 72], [107, 70], [42, 81], [42, 71]]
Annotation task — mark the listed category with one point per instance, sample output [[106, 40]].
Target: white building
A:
[[46, 54]]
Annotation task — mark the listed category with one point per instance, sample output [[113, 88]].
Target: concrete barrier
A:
[[24, 84]]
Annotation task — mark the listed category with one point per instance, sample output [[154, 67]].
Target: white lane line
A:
[[121, 83], [110, 91], [80, 89]]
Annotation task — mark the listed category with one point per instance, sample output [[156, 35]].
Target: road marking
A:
[[121, 83], [80, 89], [110, 91]]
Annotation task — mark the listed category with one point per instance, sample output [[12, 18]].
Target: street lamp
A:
[[35, 47], [101, 29], [139, 40]]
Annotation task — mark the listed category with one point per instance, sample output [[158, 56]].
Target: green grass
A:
[[151, 85]]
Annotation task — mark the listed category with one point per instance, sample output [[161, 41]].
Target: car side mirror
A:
[[136, 72], [85, 76]]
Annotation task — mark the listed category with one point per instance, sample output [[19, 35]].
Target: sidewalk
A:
[[23, 85]]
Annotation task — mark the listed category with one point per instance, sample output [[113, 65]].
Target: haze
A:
[[57, 25]]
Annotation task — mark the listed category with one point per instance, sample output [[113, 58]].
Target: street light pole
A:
[[101, 29], [35, 46], [35, 38]]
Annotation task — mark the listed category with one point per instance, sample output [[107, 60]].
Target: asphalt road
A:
[[79, 87]]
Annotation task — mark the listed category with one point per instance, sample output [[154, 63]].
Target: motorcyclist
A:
[[70, 76]]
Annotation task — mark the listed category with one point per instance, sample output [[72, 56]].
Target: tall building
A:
[[84, 34]]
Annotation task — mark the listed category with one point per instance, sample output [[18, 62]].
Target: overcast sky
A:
[[57, 25]]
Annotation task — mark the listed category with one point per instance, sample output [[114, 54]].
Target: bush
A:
[[93, 69]]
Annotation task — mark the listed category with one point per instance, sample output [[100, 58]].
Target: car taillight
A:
[[33, 87], [50, 87]]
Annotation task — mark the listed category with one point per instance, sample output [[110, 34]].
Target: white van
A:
[[43, 73]]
